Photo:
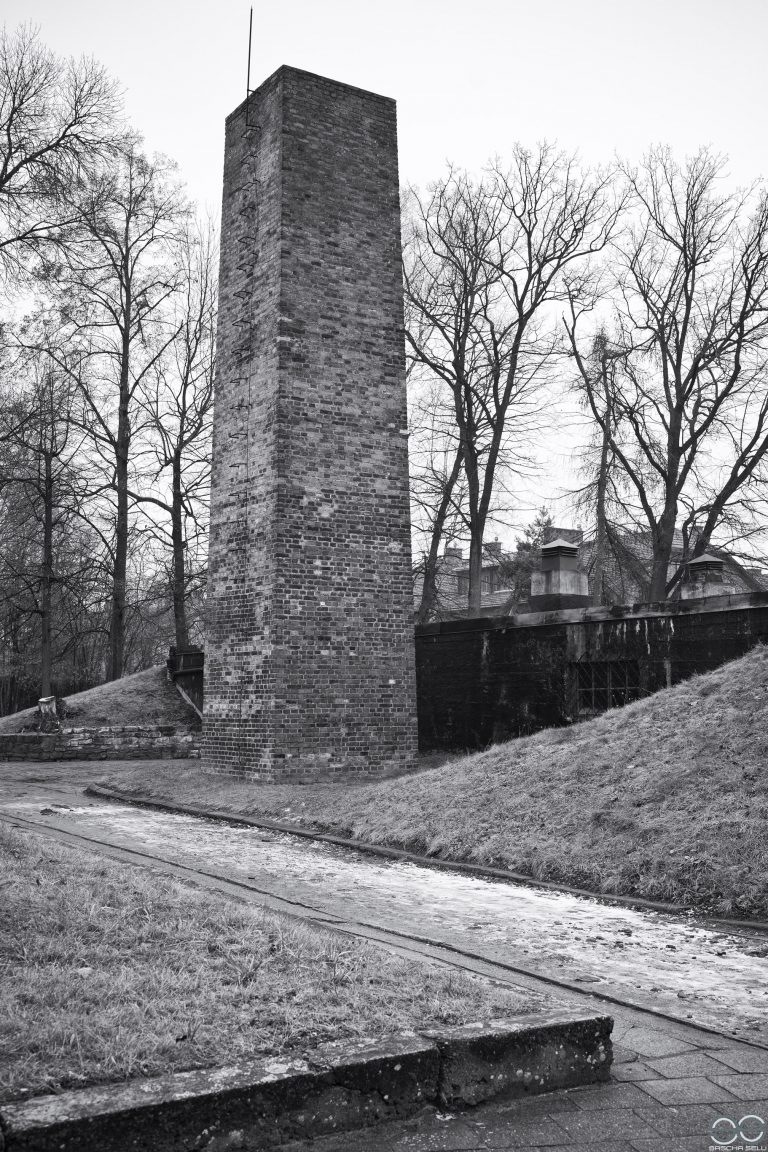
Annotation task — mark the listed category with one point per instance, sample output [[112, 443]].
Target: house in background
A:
[[452, 582], [627, 570], [506, 576]]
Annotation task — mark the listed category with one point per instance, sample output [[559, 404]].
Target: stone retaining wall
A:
[[484, 680], [130, 742]]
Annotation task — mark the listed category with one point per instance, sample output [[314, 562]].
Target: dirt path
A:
[[649, 960]]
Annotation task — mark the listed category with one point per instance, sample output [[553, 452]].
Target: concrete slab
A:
[[749, 1086], [688, 1090], [605, 1124], [630, 1071], [689, 1064], [593, 1099], [679, 1119], [742, 1059]]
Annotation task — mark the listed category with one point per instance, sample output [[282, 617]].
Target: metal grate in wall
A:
[[600, 685]]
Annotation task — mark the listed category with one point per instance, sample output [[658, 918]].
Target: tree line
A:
[[639, 290], [107, 346]]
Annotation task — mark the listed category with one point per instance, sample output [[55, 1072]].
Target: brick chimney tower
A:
[[309, 640]]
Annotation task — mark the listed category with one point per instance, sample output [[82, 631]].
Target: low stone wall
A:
[[131, 742]]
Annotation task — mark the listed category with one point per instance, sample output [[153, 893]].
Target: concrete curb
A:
[[517, 1058], [106, 793], [339, 1087]]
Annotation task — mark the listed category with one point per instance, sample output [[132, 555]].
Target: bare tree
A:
[[58, 119], [114, 284], [484, 263], [177, 400], [437, 486], [43, 492], [685, 414], [602, 497]]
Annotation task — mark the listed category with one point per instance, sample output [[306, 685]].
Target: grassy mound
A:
[[666, 799], [144, 698]]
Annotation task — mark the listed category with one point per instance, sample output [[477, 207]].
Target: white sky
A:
[[470, 78]]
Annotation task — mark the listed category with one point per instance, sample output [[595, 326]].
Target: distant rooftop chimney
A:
[[559, 553], [559, 584], [705, 563], [572, 535], [704, 577], [452, 553], [493, 548]]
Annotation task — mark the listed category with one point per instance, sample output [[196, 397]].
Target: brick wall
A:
[[485, 680], [309, 636], [131, 742]]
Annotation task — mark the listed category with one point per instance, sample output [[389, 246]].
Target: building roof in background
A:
[[626, 577]]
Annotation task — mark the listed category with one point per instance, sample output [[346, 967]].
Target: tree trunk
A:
[[475, 599], [429, 585], [179, 571], [663, 538], [117, 620], [601, 538], [46, 582], [476, 525], [122, 450]]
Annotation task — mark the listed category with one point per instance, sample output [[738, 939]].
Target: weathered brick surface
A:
[[309, 641]]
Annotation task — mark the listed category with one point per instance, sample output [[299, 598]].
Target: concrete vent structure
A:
[[560, 583], [570, 535], [704, 576]]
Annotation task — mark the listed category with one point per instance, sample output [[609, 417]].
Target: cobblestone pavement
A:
[[671, 1080]]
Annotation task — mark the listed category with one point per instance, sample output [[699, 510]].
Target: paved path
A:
[[672, 1079]]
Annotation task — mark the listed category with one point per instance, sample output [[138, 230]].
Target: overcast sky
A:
[[471, 78]]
